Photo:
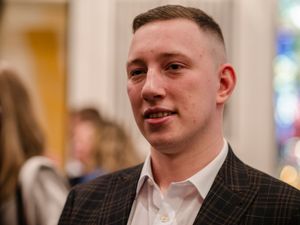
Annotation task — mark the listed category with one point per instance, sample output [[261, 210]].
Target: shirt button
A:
[[164, 218]]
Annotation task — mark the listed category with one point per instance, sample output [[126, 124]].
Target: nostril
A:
[[150, 97], [152, 93]]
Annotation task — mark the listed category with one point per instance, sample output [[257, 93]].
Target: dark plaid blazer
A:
[[239, 195]]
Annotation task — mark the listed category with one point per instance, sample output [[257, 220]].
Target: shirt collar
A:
[[202, 180], [145, 174]]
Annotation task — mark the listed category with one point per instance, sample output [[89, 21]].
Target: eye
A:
[[137, 72], [174, 66]]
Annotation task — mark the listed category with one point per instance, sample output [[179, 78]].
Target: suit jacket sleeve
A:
[[67, 211]]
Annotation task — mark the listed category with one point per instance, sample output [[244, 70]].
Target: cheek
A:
[[197, 99], [134, 95]]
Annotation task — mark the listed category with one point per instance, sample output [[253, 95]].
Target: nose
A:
[[153, 88]]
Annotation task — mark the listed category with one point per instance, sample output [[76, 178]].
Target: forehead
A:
[[177, 34]]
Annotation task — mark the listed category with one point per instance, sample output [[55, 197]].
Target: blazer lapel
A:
[[229, 196], [119, 199]]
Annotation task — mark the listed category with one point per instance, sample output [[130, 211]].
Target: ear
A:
[[227, 81]]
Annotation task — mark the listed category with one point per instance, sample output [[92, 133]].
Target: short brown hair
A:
[[168, 12]]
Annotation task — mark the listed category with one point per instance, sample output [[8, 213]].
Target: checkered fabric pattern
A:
[[239, 195]]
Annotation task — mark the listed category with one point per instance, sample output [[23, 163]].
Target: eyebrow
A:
[[134, 62], [140, 61]]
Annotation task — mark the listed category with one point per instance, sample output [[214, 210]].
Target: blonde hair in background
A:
[[21, 135], [112, 148], [117, 149]]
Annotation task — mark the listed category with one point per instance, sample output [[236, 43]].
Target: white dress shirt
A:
[[180, 203]]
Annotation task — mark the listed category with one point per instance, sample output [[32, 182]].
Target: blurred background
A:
[[72, 54]]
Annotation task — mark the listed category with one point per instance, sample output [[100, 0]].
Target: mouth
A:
[[157, 113]]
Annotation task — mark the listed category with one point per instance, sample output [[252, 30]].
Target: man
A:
[[178, 83]]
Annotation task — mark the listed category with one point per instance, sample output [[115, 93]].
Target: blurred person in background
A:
[[86, 126], [98, 146], [33, 191]]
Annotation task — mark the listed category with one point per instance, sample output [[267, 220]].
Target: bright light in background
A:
[[287, 91], [289, 175], [285, 71], [286, 108], [294, 14], [297, 151]]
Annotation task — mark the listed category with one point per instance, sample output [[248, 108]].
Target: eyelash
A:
[[136, 72], [177, 65]]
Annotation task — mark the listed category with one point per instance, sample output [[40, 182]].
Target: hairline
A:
[[217, 39], [168, 12]]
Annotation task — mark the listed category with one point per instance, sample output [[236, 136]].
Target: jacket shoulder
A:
[[261, 198], [240, 175], [273, 187], [101, 183], [87, 201]]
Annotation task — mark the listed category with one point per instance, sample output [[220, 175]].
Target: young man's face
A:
[[173, 83]]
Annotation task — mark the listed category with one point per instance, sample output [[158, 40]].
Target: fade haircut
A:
[[168, 12]]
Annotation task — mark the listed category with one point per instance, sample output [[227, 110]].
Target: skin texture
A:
[[178, 82]]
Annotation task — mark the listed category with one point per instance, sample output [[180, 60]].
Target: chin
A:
[[163, 145]]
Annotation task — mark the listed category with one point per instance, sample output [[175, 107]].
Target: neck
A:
[[179, 166]]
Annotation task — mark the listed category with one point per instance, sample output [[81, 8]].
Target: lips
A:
[[156, 113]]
